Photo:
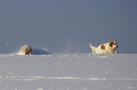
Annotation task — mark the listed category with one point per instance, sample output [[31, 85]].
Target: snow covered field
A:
[[68, 72]]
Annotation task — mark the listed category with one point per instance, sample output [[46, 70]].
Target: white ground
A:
[[68, 72]]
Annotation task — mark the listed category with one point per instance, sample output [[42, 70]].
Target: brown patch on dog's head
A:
[[102, 47], [112, 43]]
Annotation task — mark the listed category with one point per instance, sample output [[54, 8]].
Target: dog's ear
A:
[[111, 43], [102, 47]]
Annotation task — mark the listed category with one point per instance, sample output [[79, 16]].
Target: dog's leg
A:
[[116, 51]]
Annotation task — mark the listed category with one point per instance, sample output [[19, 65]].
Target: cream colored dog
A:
[[107, 48], [26, 50]]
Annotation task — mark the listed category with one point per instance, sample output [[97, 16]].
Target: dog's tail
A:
[[92, 47]]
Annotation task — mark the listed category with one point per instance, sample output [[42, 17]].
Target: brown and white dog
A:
[[26, 50], [107, 48]]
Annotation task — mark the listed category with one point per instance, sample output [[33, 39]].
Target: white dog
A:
[[26, 50], [29, 50], [107, 48]]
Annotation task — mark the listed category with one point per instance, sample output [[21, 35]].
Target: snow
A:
[[68, 72]]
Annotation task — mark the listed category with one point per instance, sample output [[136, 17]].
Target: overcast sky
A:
[[68, 26]]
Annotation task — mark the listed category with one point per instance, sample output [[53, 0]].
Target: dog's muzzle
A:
[[27, 53]]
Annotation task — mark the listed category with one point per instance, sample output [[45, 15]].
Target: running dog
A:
[[107, 48]]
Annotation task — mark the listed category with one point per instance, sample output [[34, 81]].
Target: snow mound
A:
[[40, 51]]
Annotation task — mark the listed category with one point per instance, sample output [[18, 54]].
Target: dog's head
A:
[[26, 50], [113, 44]]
